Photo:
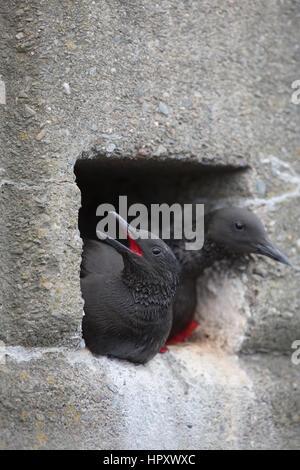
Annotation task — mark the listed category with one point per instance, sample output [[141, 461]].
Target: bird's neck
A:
[[193, 262], [150, 290]]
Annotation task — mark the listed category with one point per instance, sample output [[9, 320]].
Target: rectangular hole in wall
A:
[[153, 180]]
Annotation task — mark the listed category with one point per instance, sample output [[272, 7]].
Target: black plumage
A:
[[228, 232], [128, 293]]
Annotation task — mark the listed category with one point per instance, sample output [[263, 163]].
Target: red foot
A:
[[184, 335]]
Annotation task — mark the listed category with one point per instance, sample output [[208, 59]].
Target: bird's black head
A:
[[145, 254], [240, 231]]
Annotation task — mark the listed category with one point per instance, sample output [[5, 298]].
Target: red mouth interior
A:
[[133, 246]]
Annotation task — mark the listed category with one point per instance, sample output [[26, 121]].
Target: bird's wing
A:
[[100, 258]]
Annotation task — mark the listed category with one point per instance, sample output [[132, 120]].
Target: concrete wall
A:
[[207, 81]]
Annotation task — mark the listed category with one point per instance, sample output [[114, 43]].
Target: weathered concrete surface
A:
[[140, 79], [200, 399], [225, 75]]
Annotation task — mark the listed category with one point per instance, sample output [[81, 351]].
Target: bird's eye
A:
[[239, 225], [156, 250]]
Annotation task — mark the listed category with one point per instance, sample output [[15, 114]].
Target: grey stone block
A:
[[87, 75]]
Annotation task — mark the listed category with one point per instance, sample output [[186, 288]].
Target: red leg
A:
[[184, 335]]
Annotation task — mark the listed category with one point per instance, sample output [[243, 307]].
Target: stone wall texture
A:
[[206, 81]]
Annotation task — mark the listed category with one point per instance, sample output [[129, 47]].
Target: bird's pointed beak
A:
[[130, 233], [126, 228], [270, 250]]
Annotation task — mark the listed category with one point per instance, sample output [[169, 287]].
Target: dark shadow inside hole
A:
[[151, 180]]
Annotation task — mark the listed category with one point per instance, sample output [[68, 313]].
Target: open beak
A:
[[130, 233], [270, 250]]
